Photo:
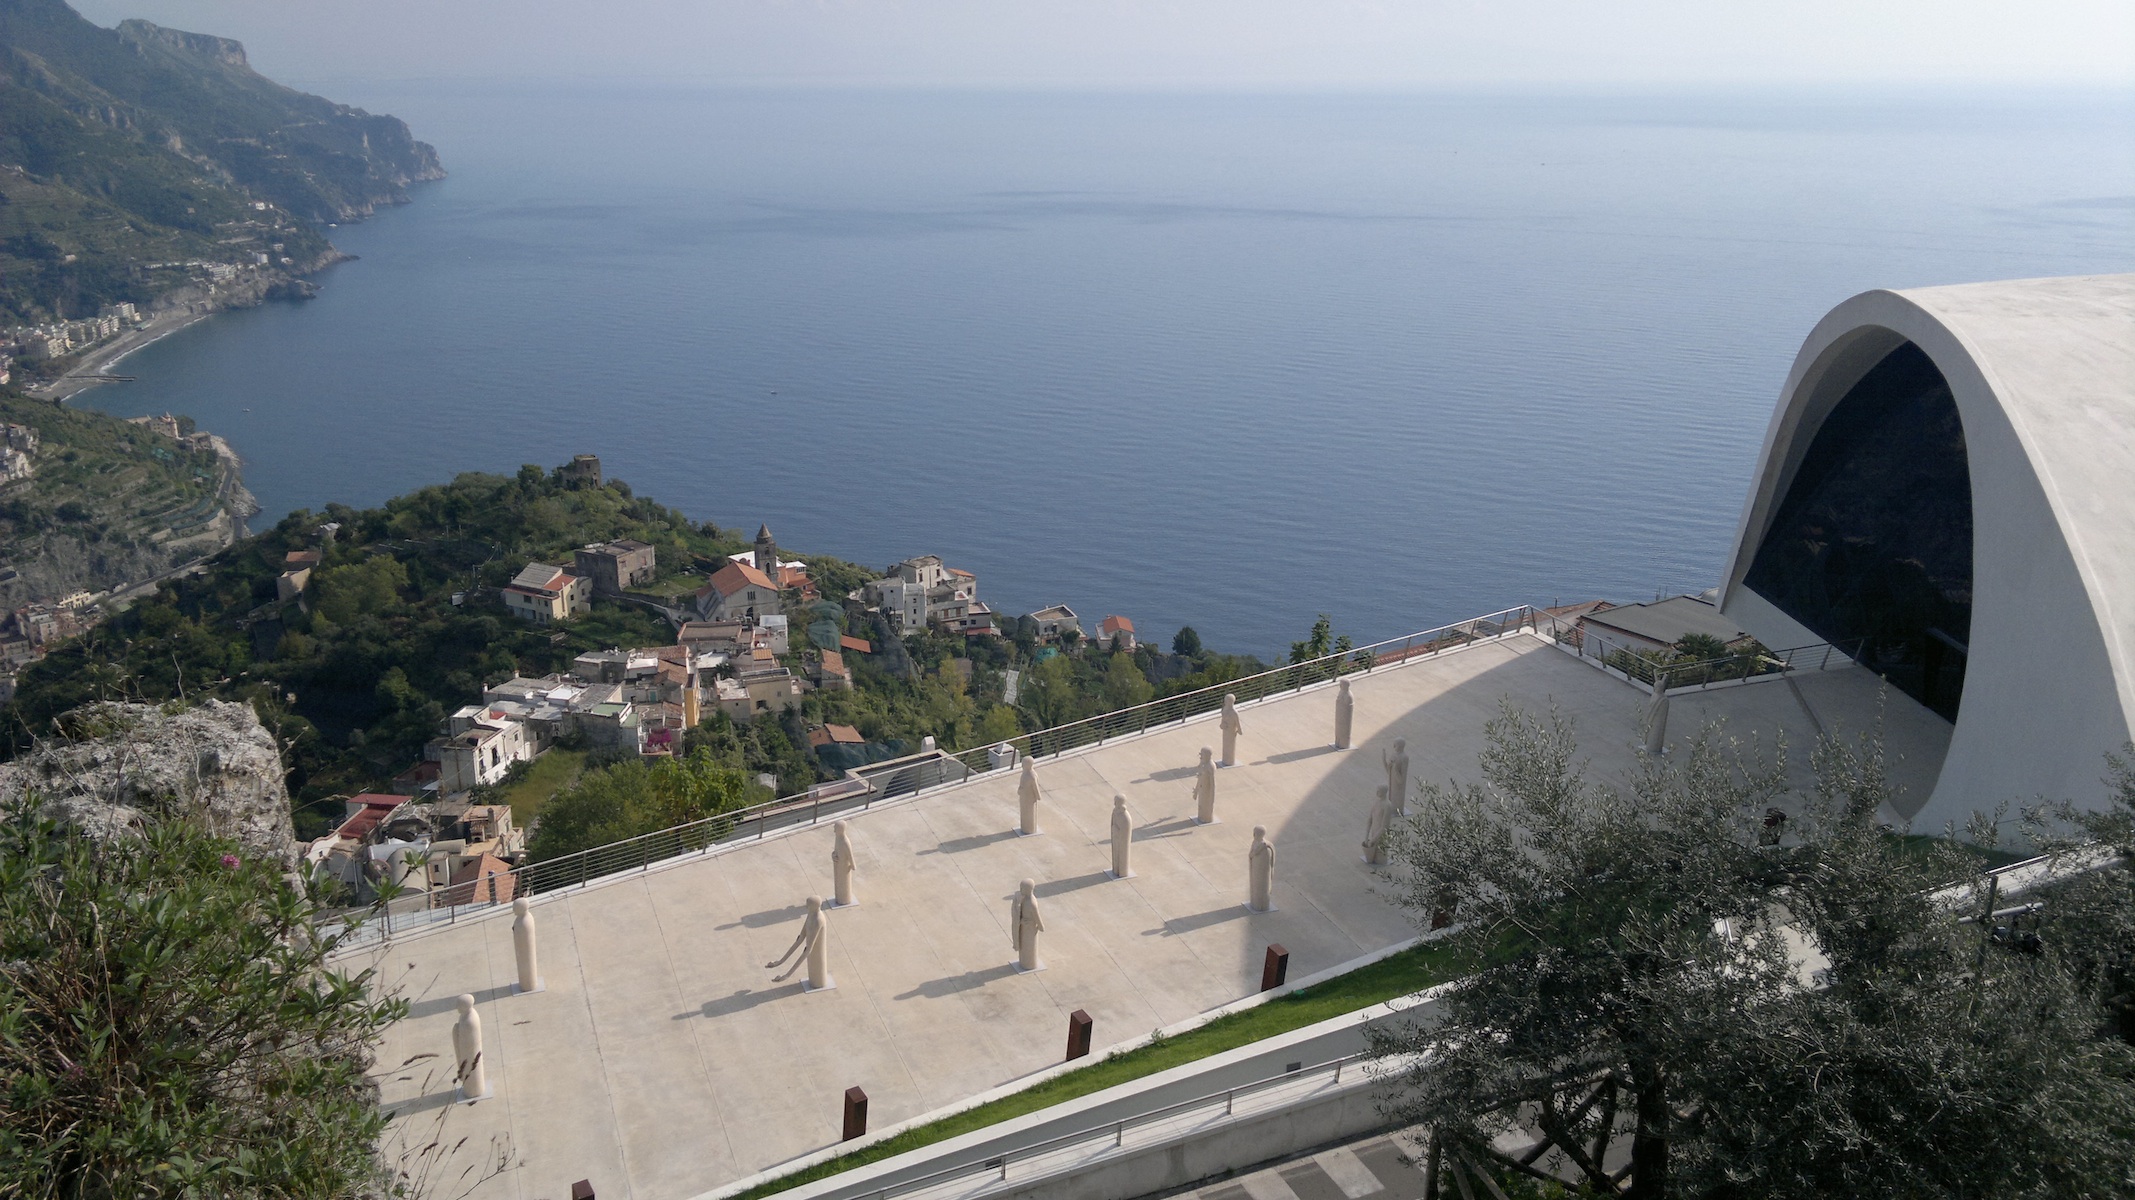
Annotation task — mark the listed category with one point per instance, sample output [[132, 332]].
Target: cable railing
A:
[[1640, 663], [877, 783], [1075, 1150], [1277, 681]]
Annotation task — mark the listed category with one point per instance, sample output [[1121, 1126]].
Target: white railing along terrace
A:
[[901, 777]]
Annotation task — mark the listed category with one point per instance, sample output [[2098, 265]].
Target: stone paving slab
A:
[[662, 1061]]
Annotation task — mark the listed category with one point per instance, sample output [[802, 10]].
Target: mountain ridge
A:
[[124, 151]]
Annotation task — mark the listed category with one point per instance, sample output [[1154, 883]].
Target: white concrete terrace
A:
[[661, 1061]]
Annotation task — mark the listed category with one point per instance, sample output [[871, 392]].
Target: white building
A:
[[545, 595], [921, 591], [481, 753], [1056, 620], [1944, 493]]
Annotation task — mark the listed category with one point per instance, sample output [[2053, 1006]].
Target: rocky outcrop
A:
[[122, 766]]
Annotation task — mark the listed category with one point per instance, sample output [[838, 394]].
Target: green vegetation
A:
[[1750, 1016], [1400, 974], [124, 148], [358, 674], [105, 484], [358, 683], [169, 1026], [609, 804], [530, 785]]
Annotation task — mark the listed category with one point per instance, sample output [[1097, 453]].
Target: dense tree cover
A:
[[169, 1025], [1755, 1017], [357, 676], [356, 684], [626, 799]]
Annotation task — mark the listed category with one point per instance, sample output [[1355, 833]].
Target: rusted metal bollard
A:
[[1079, 1024], [1276, 968], [855, 1113]]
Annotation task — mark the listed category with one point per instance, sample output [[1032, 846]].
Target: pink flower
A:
[[229, 862]]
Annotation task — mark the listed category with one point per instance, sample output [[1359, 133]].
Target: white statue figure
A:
[[1376, 829], [1205, 789], [1657, 716], [812, 944], [523, 946], [1345, 712], [1024, 926], [1397, 774], [841, 866], [467, 1053], [1231, 729], [1027, 796], [1122, 839], [1260, 860]]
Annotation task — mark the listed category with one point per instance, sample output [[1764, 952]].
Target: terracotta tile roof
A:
[[841, 735], [735, 576], [376, 807], [833, 663], [1111, 625], [859, 645], [487, 879]]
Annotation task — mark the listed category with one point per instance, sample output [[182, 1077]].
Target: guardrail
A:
[[905, 776], [1073, 1151], [1639, 663]]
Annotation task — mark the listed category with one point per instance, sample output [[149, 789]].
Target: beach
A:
[[101, 359]]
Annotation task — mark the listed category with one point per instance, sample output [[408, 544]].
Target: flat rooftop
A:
[[662, 1062]]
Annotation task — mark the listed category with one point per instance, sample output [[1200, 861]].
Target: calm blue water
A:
[[1220, 360]]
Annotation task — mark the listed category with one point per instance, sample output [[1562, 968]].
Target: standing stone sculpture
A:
[[812, 945], [1122, 839], [1345, 712], [841, 866], [469, 1070], [1260, 862], [1377, 827], [1657, 716], [1231, 729], [1027, 797], [1397, 774], [1024, 926], [523, 947], [1205, 789]]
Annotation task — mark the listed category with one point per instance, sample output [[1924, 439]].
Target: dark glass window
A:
[[1872, 545]]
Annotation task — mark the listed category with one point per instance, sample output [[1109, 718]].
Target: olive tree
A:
[[1664, 995]]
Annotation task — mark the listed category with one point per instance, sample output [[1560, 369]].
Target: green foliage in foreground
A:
[[638, 796], [1653, 993], [1400, 974], [169, 1028]]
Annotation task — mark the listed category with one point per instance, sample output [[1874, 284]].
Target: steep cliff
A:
[[120, 766], [132, 157]]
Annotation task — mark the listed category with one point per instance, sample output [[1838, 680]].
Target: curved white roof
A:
[[2043, 375]]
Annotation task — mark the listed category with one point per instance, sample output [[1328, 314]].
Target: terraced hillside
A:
[[109, 504]]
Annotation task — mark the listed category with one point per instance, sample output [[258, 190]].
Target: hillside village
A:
[[753, 636]]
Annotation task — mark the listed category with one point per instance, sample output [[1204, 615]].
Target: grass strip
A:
[[546, 776], [1411, 970]]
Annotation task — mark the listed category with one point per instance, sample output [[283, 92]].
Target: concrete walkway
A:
[[662, 1061]]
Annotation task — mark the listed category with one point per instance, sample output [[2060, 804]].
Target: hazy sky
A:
[[1175, 43]]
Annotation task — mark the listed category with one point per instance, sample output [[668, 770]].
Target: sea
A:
[[1220, 360]]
